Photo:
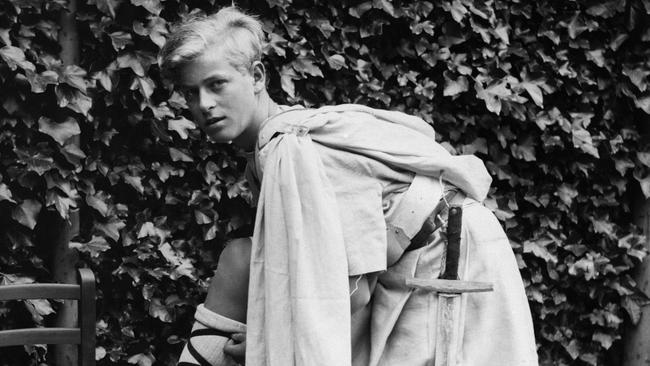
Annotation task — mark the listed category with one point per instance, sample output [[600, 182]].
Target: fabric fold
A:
[[299, 305]]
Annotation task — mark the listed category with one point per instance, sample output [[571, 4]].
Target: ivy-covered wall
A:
[[552, 95]]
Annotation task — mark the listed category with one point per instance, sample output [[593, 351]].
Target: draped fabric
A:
[[329, 179]]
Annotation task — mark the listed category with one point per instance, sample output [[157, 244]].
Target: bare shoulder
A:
[[237, 250]]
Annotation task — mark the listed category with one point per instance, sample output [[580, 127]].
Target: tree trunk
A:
[[637, 337], [64, 259]]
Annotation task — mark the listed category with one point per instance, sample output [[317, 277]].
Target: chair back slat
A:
[[83, 335], [16, 337], [39, 291]]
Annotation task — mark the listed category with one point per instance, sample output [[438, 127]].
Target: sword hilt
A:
[[443, 286], [452, 254], [449, 282]]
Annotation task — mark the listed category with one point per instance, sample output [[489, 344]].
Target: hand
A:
[[236, 347]]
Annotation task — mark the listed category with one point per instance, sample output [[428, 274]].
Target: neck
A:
[[266, 107]]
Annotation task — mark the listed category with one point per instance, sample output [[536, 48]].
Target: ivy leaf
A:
[[181, 126], [535, 92], [566, 193], [637, 76], [323, 25], [585, 267], [582, 139], [38, 309], [384, 5], [336, 62], [73, 154], [360, 9], [211, 233], [135, 182], [305, 65], [455, 87], [644, 158], [525, 151], [457, 10], [426, 27], [644, 182], [10, 279], [73, 99], [158, 310], [27, 213], [605, 340], [538, 249], [4, 36], [502, 33], [94, 247], [104, 80], [120, 40], [61, 203], [596, 56], [156, 29], [603, 226], [643, 103], [160, 111], [145, 85], [5, 193], [15, 57], [39, 82], [49, 29], [287, 76], [201, 218], [111, 228], [60, 132], [501, 214], [129, 60], [106, 6], [492, 95], [182, 265], [148, 229], [142, 359], [178, 155], [74, 76], [572, 348], [177, 101], [278, 44], [100, 353], [605, 10], [577, 26], [633, 309], [97, 202], [153, 6], [35, 161]]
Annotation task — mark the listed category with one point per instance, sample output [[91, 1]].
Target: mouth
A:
[[213, 121]]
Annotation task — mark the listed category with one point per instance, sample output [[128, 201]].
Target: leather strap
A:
[[197, 356], [433, 222]]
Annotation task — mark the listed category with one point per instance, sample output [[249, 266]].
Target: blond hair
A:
[[238, 34]]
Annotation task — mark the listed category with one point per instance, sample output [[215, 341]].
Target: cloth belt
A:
[[433, 222]]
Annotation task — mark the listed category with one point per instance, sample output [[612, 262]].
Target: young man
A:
[[352, 202]]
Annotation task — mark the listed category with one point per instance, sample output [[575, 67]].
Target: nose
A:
[[207, 100]]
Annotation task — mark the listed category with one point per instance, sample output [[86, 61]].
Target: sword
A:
[[449, 288]]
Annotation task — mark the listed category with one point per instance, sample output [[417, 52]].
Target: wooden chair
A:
[[83, 334]]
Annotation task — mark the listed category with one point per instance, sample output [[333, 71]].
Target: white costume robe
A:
[[343, 190]]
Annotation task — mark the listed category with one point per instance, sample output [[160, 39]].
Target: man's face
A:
[[221, 98]]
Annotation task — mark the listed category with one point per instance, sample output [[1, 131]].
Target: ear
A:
[[259, 76]]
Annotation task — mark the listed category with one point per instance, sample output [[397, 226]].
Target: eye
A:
[[216, 85]]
